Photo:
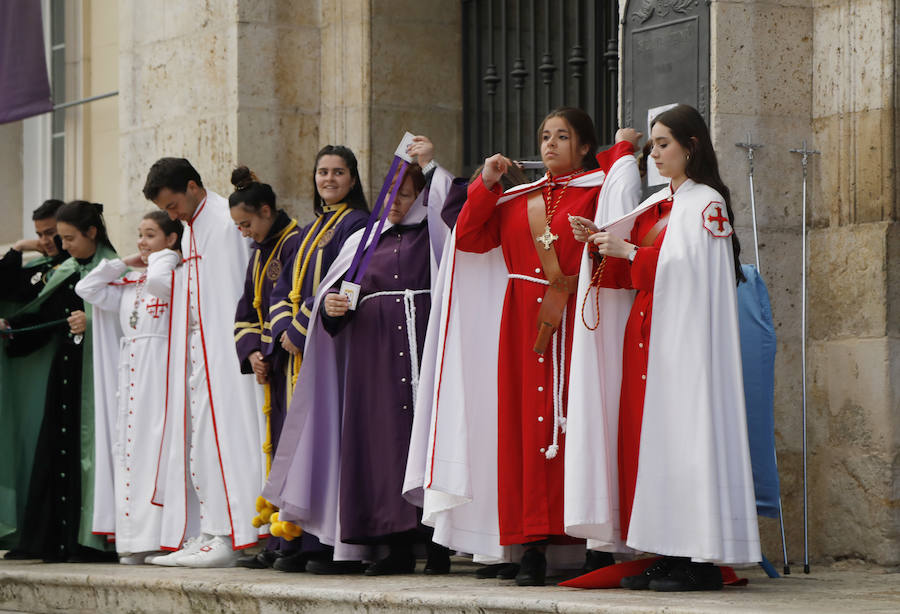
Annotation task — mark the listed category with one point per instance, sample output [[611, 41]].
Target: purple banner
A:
[[24, 87]]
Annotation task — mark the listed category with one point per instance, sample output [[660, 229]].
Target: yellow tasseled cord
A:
[[300, 274], [265, 508]]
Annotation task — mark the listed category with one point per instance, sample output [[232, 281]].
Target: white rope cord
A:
[[536, 280], [409, 308], [558, 341]]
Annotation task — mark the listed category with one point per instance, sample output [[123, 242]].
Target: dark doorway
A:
[[523, 58]]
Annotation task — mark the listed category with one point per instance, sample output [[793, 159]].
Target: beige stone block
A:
[[892, 265], [415, 63], [11, 179], [443, 127], [761, 59], [847, 281], [281, 149], [853, 376], [102, 18], [278, 67], [777, 172], [189, 18], [853, 56], [420, 11], [280, 12], [853, 514], [857, 176], [103, 75]]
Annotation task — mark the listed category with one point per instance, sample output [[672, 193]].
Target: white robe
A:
[[229, 428], [321, 382], [694, 493], [457, 468], [131, 397]]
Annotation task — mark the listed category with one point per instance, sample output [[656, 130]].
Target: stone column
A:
[[219, 82], [854, 322]]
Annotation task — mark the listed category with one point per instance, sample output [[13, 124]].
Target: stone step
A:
[[100, 588]]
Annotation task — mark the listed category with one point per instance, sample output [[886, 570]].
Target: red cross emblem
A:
[[156, 309], [715, 221]]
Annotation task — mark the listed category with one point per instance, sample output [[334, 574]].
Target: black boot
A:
[[534, 568], [659, 569], [690, 577], [504, 571], [438, 562], [292, 563], [594, 560], [401, 560]]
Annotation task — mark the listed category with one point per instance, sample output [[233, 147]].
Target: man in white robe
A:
[[220, 455]]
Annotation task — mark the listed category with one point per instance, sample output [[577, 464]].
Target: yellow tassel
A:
[[266, 512]]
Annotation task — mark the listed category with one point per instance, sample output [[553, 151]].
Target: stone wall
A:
[[823, 71], [11, 177], [854, 328]]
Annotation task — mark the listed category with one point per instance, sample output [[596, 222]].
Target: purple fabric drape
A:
[[24, 87]]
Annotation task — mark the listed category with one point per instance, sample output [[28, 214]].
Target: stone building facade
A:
[[267, 82]]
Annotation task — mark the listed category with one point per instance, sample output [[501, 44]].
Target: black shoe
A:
[[20, 555], [438, 562], [268, 557], [392, 565], [250, 562], [594, 560], [489, 571], [690, 577], [333, 568], [293, 563], [534, 568], [659, 569], [508, 571], [90, 555]]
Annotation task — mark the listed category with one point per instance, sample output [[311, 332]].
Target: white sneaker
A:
[[171, 560], [216, 552]]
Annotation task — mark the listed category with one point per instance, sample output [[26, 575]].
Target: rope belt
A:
[[558, 341], [409, 307]]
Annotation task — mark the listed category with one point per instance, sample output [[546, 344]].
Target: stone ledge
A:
[[43, 588]]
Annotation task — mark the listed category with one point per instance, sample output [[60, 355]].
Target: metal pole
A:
[[73, 103], [805, 153], [749, 145]]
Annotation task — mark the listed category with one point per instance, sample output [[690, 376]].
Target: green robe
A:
[[23, 404]]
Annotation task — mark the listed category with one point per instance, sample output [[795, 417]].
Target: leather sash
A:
[[561, 286]]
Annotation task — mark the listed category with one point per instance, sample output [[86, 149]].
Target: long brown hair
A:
[[688, 128]]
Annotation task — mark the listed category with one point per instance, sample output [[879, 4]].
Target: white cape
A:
[[219, 271], [694, 494], [454, 471]]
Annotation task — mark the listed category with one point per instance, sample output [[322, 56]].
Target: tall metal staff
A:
[[750, 146], [805, 153]]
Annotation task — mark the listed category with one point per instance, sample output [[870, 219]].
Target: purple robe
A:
[[251, 335], [378, 394], [324, 253]]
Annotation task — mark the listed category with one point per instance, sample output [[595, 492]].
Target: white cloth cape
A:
[[105, 335], [694, 493], [239, 426], [131, 439], [321, 384], [453, 471]]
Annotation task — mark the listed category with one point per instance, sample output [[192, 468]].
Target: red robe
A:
[[639, 275], [530, 486]]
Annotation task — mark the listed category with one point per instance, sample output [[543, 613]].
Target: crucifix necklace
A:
[[547, 238], [139, 294]]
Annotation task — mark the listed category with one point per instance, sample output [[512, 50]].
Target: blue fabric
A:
[[758, 357]]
